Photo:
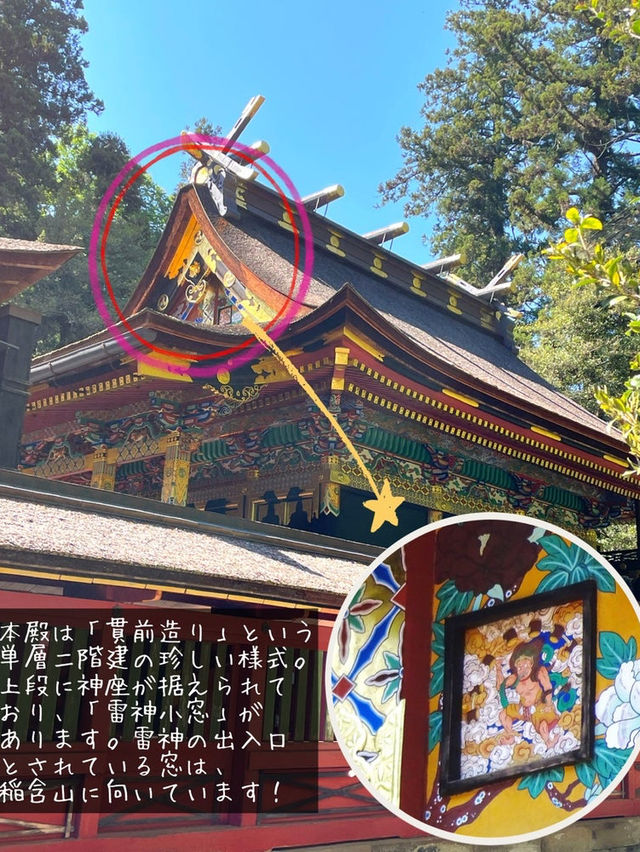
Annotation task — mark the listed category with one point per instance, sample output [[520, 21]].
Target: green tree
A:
[[617, 537], [615, 275], [536, 111], [42, 89], [205, 128], [84, 165], [573, 343], [610, 267], [612, 270]]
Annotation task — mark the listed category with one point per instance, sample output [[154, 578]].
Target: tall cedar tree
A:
[[42, 89], [84, 164], [536, 111]]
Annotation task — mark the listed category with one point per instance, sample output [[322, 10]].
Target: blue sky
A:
[[340, 80]]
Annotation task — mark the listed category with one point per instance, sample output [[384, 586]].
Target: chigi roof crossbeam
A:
[[252, 197], [323, 197]]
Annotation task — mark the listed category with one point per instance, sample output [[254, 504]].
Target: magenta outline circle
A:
[[94, 276]]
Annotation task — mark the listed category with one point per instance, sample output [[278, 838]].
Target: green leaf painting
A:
[[569, 563], [607, 762], [614, 651], [536, 782], [435, 728], [451, 601]]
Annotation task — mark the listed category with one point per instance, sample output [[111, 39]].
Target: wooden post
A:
[[419, 559], [103, 468], [177, 467], [329, 498], [18, 330], [340, 364]]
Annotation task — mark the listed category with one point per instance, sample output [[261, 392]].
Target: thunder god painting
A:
[[518, 687]]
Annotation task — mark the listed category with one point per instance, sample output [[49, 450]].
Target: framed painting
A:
[[519, 684]]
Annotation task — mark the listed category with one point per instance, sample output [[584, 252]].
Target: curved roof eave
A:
[[521, 387]]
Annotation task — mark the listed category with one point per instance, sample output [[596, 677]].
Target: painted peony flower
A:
[[618, 708], [477, 555], [474, 674]]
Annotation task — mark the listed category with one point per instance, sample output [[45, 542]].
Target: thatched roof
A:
[[456, 344], [24, 262], [121, 538]]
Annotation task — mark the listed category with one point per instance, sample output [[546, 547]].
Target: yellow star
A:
[[384, 507]]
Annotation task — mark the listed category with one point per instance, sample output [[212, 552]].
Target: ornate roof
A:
[[24, 262], [458, 347], [464, 338], [417, 344]]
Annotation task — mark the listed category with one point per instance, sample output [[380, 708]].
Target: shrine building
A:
[[419, 368], [233, 495]]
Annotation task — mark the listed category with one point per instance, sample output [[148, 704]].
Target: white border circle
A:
[[331, 651]]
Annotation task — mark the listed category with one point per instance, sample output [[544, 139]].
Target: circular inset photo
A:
[[483, 679]]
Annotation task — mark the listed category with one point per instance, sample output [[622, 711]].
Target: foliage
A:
[[567, 563], [206, 128], [600, 771], [626, 25], [84, 165], [43, 90], [617, 537], [437, 666], [451, 601], [435, 728], [615, 651], [573, 344], [535, 111], [615, 275], [612, 272], [537, 781]]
